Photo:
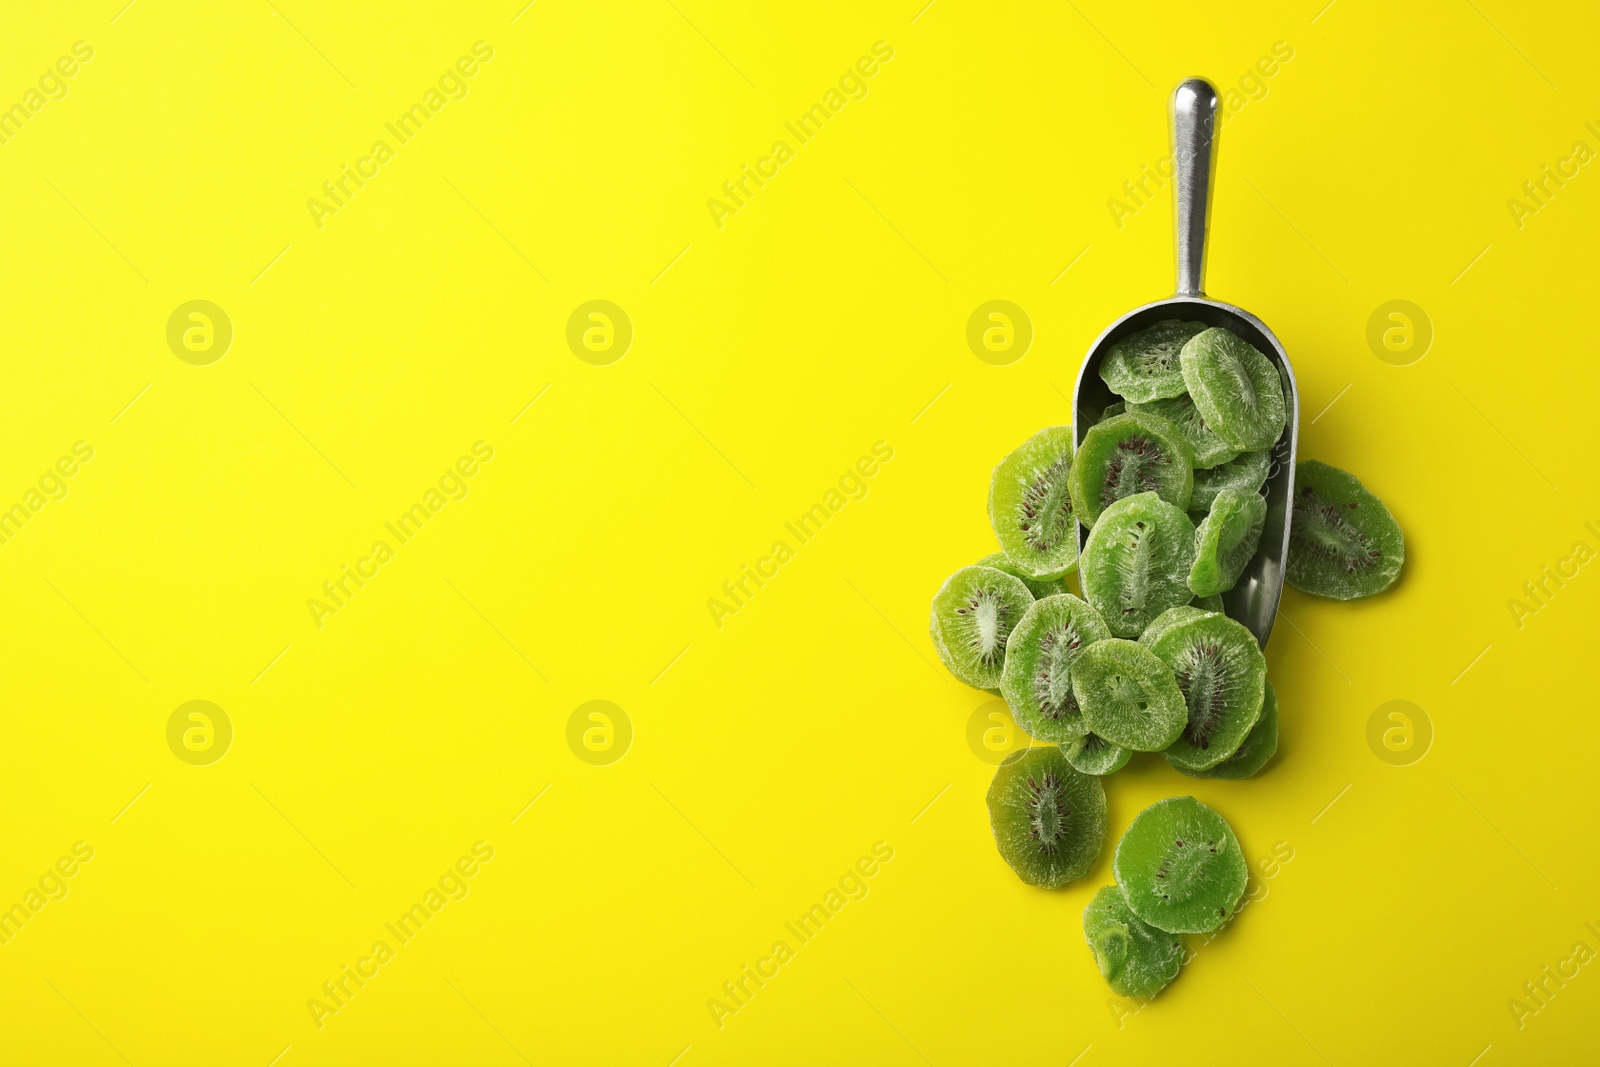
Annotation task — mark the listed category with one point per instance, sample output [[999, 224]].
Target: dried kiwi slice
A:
[[1037, 678], [1206, 603], [973, 614], [1134, 958], [1049, 820], [1209, 449], [1136, 562], [1038, 587], [1128, 696], [1343, 543], [1030, 507], [1247, 473], [1236, 388], [1226, 541], [1144, 366], [1222, 675], [1257, 749], [1116, 407], [1180, 867], [1093, 754], [1128, 454]]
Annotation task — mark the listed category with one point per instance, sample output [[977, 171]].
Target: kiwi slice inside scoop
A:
[[1145, 366], [1236, 389], [1247, 472], [1226, 541], [1128, 454], [1136, 562], [1209, 449]]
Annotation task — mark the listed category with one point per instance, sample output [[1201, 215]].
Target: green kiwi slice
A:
[[1226, 541], [1030, 507], [1247, 473], [1134, 958], [1180, 867], [973, 614], [1049, 820], [1038, 587], [1145, 366], [1128, 696], [1222, 676], [1037, 678], [1116, 407], [1128, 454], [1207, 603], [1236, 388], [1093, 754], [1343, 543], [1136, 562], [1257, 749], [1209, 449]]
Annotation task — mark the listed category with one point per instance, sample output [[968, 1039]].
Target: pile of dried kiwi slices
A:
[[1169, 485]]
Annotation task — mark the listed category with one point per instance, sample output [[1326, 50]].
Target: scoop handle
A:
[[1194, 157]]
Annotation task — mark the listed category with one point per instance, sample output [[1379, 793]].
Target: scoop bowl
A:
[[1253, 601]]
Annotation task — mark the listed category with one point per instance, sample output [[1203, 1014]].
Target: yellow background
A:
[[768, 355]]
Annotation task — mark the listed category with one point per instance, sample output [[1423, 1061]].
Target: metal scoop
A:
[[1254, 600]]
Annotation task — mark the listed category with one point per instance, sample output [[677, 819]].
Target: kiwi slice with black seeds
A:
[[1258, 748], [973, 614], [1030, 506], [1136, 562], [1126, 455], [1049, 820], [1145, 366], [1219, 669], [1343, 543], [1037, 678], [1209, 449], [1180, 867]]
